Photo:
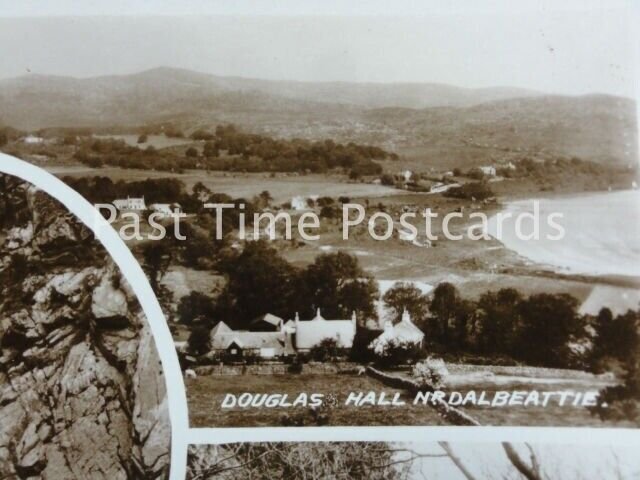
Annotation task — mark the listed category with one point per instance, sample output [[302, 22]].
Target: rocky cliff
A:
[[82, 393]]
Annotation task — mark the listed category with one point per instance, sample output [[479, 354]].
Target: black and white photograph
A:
[[361, 218], [82, 391], [411, 461]]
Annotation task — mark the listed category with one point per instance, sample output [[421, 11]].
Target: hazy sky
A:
[[471, 44]]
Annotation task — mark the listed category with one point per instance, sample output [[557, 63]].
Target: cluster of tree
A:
[[254, 152], [542, 329], [100, 189], [548, 168], [472, 190], [618, 349], [259, 281], [230, 149]]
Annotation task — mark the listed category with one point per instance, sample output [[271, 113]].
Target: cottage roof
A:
[[405, 331]]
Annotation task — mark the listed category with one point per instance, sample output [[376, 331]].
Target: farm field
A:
[[241, 185], [156, 141], [206, 393]]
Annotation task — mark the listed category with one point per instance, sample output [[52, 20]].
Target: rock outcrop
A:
[[82, 393]]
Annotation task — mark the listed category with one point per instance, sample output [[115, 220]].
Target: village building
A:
[[130, 204], [301, 202], [242, 343], [166, 209], [404, 332], [488, 170], [33, 140], [309, 333], [405, 175]]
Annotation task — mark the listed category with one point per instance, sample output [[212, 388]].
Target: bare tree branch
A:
[[530, 473], [456, 460]]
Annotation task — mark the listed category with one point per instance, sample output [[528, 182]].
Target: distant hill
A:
[[36, 101], [432, 123]]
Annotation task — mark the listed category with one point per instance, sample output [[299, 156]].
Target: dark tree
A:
[[336, 283], [404, 296], [157, 257], [548, 323], [498, 320], [259, 281], [444, 307], [196, 307], [198, 342]]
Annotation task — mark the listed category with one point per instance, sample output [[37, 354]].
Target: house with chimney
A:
[[309, 333], [405, 332]]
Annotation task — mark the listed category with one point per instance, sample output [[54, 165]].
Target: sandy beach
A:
[[602, 233]]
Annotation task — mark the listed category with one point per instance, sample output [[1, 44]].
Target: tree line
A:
[[228, 148]]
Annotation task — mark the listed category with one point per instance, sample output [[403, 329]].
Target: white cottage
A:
[[309, 333], [130, 204], [165, 209], [403, 332]]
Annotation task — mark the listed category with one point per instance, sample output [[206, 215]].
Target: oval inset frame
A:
[[130, 268]]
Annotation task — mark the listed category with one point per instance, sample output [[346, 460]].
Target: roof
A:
[[222, 337], [311, 332], [405, 331], [220, 327], [268, 318]]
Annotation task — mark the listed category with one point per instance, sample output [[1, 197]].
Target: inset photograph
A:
[[82, 391], [411, 461]]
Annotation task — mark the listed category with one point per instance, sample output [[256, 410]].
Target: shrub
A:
[[431, 372], [396, 353], [325, 351]]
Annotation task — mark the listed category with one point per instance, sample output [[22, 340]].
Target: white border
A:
[[132, 271]]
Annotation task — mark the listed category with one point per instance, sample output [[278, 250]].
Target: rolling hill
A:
[[439, 124]]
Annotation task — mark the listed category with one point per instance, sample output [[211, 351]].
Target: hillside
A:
[[432, 124]]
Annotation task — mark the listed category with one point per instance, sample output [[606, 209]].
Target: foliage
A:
[[196, 306], [547, 323], [337, 284], [266, 461], [397, 352], [259, 281], [198, 343], [469, 191], [327, 350], [242, 152], [405, 296], [431, 372]]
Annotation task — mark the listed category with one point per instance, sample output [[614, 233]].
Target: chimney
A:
[[405, 316], [354, 320]]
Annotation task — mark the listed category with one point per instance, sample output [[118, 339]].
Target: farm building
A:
[[241, 343], [132, 204], [166, 209], [309, 333], [488, 170]]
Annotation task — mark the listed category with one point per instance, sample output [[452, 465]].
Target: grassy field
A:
[[206, 393], [156, 141], [241, 185]]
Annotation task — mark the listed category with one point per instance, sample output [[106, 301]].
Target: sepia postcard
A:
[[245, 215]]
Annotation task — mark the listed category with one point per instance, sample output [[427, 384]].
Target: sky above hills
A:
[[568, 51]]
